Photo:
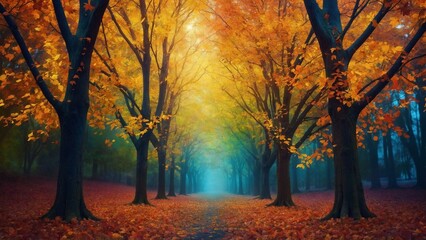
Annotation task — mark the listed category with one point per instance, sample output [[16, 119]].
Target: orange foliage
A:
[[401, 214], [23, 203]]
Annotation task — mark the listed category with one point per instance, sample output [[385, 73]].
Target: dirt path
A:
[[210, 226]]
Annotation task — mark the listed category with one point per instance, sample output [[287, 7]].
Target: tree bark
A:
[[256, 179], [69, 202], [389, 160], [415, 147], [265, 192], [421, 165], [141, 196], [172, 179], [182, 189], [161, 189], [283, 179], [349, 200]]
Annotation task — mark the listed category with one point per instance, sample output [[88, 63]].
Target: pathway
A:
[[210, 226]]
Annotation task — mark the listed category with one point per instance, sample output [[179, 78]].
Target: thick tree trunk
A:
[[374, 162], [172, 179], [141, 196], [161, 188], [265, 192], [389, 160], [349, 200], [69, 202], [283, 179]]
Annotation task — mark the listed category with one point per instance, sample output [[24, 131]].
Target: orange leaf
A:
[[88, 6]]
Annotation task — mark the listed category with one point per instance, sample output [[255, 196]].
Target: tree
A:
[[72, 110], [344, 107], [190, 145], [270, 67], [162, 32]]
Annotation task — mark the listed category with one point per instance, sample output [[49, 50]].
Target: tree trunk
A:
[[194, 183], [69, 202], [374, 162], [265, 192], [182, 189], [308, 176], [161, 189], [141, 196], [414, 147], [172, 179], [240, 183], [234, 181], [256, 180], [283, 179], [190, 183], [389, 160], [294, 181], [349, 200], [421, 166], [421, 163]]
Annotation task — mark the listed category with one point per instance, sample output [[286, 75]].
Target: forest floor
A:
[[401, 214]]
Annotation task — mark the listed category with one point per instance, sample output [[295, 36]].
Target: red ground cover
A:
[[401, 215]]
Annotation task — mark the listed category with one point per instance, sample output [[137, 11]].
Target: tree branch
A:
[[384, 79], [368, 31], [318, 22], [63, 24]]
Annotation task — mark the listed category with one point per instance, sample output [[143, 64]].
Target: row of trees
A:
[[273, 57], [150, 46]]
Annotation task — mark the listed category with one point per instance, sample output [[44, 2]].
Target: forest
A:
[[212, 119]]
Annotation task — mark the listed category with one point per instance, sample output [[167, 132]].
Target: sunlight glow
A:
[[215, 182]]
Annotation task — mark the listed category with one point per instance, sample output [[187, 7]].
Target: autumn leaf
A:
[[88, 6]]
